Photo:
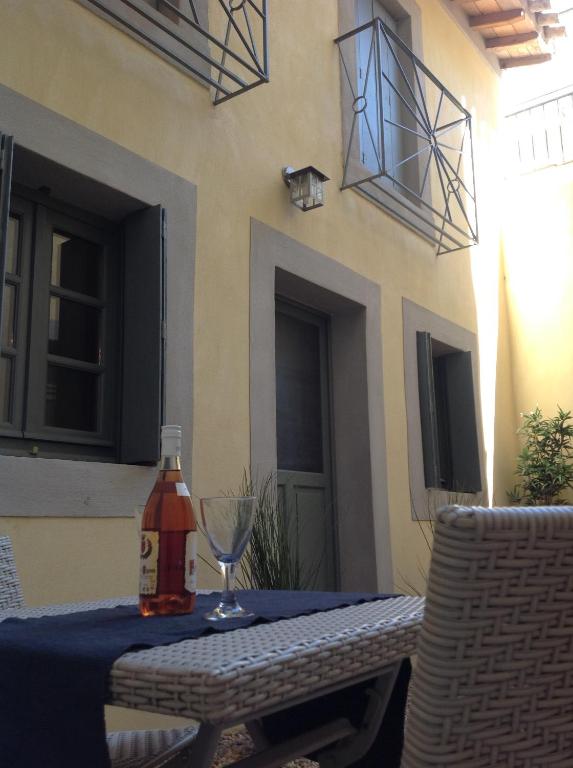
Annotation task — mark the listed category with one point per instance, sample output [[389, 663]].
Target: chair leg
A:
[[256, 732]]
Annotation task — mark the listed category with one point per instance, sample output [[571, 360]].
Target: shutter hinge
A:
[[163, 329]]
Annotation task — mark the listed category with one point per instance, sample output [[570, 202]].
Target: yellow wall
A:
[[71, 61], [538, 248], [506, 442]]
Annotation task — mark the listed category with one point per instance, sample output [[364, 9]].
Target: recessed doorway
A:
[[303, 423]]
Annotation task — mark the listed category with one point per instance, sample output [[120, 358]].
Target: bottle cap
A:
[[171, 440]]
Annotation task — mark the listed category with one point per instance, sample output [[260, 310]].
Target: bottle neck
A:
[[170, 463]]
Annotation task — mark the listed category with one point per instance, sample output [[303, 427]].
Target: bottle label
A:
[[148, 563], [191, 561], [182, 489]]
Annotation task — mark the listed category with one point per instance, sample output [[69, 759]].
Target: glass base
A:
[[227, 611]]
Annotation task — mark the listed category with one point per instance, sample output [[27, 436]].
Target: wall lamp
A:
[[306, 187]]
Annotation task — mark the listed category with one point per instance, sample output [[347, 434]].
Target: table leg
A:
[[353, 748], [335, 743], [204, 746]]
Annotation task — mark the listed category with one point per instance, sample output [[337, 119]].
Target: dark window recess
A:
[[166, 8], [298, 385], [448, 417], [81, 340], [71, 399]]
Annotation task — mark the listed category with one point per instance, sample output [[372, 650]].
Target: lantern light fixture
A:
[[306, 187]]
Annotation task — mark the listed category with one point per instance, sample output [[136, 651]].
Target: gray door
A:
[[303, 440]]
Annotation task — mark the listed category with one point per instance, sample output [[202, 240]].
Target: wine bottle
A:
[[167, 575]]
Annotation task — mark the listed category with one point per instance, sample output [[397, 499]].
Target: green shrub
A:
[[272, 559], [545, 463]]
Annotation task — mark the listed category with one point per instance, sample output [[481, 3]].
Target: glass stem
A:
[[228, 572]]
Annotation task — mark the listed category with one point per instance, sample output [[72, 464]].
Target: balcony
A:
[[224, 43], [541, 135], [408, 140]]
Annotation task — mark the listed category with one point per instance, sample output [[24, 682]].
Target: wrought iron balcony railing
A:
[[222, 42], [541, 135], [408, 140]]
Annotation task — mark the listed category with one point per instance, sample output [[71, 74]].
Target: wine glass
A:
[[228, 522]]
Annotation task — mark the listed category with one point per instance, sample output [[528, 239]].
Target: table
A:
[[241, 676]]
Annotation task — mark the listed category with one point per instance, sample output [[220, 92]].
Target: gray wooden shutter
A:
[[428, 414], [6, 153], [466, 476], [143, 342]]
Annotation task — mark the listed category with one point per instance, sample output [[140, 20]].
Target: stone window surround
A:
[[282, 266], [426, 501], [409, 18], [37, 487]]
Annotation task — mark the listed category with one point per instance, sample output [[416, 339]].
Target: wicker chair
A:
[[128, 749], [10, 589], [494, 679]]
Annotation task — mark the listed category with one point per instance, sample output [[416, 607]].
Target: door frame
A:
[[281, 265]]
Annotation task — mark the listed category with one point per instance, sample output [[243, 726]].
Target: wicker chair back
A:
[[10, 589], [493, 684]]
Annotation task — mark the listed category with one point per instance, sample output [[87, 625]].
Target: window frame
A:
[[390, 137], [47, 221], [27, 428], [37, 487], [24, 214], [447, 411], [409, 28], [425, 501]]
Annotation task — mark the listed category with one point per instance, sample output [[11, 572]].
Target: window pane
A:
[[9, 316], [73, 330], [5, 389], [299, 420], [71, 399], [13, 240], [76, 264]]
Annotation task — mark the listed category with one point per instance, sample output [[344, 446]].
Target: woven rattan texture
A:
[[235, 674], [10, 589], [494, 678], [147, 749]]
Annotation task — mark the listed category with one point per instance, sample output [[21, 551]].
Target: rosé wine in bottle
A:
[[167, 573]]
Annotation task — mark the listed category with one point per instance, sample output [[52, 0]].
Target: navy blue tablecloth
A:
[[54, 670]]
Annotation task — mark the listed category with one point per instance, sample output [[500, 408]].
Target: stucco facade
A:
[[538, 278], [225, 163]]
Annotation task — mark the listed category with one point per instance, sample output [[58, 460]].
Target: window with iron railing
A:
[[223, 43], [408, 139]]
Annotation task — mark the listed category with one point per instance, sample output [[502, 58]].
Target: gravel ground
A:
[[238, 744]]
